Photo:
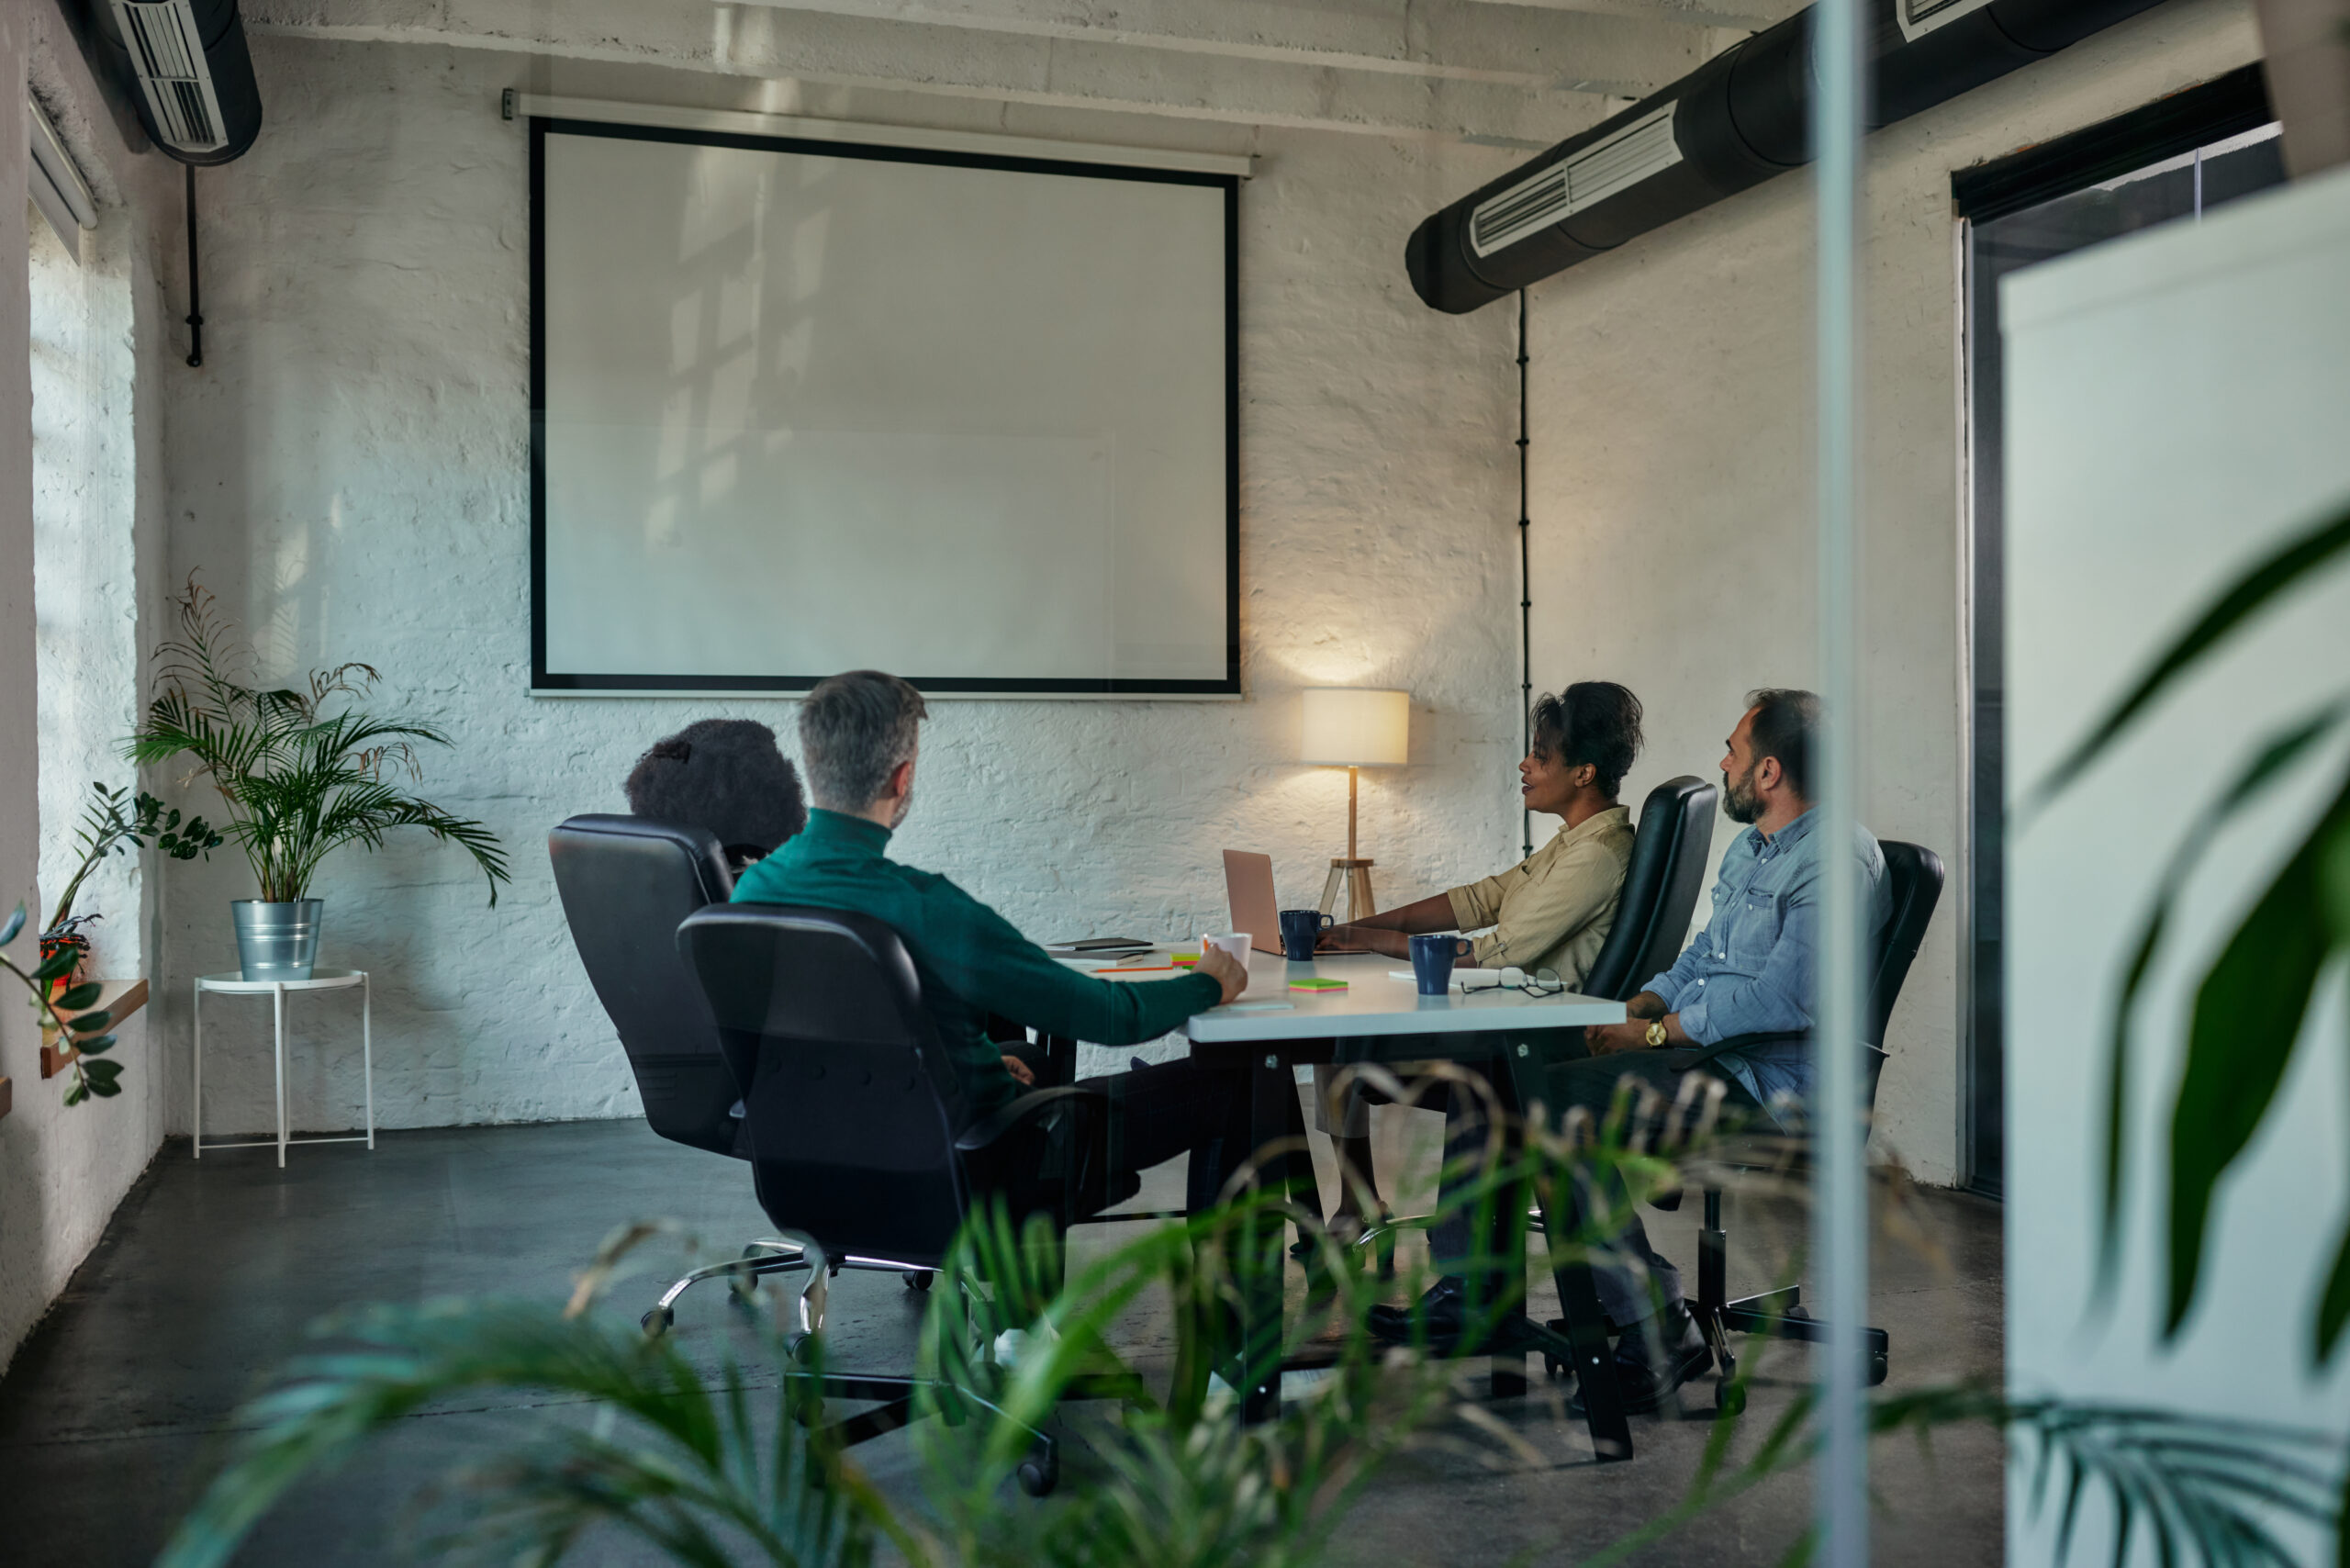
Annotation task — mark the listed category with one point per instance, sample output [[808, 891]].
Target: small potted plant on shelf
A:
[[300, 772], [115, 822], [73, 1013]]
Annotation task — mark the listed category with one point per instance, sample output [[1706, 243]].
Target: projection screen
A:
[[803, 405]]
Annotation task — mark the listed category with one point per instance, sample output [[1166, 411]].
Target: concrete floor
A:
[[113, 1413]]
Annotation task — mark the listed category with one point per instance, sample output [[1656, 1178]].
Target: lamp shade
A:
[[1350, 726]]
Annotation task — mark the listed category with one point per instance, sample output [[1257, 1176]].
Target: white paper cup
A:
[[1235, 943]]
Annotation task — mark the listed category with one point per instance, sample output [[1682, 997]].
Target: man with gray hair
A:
[[859, 742]]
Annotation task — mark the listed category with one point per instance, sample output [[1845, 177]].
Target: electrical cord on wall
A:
[[1525, 581], [195, 313]]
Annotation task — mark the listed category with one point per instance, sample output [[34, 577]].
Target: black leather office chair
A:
[[1914, 883], [1669, 840], [625, 883], [860, 1148], [1668, 866]]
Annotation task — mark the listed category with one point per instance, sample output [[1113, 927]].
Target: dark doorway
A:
[[2173, 161]]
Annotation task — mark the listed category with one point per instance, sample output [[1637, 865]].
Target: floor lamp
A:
[[1352, 727]]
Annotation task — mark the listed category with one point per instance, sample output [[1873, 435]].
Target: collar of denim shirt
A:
[[1766, 847]]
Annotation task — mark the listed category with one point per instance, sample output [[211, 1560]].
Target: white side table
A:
[[320, 979]]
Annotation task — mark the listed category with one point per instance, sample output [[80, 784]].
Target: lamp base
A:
[[1353, 875]]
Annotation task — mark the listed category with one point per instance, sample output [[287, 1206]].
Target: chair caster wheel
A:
[[801, 1349], [657, 1322], [1880, 1367], [1729, 1396], [918, 1279], [1040, 1472], [1553, 1368]]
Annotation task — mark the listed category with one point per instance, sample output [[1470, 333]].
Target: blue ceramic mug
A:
[[1301, 928], [1432, 961]]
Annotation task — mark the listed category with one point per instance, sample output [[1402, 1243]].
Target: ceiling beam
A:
[[1261, 85], [1738, 15], [1449, 40]]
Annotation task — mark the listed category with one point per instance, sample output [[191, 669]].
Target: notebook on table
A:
[[1097, 947], [1248, 888]]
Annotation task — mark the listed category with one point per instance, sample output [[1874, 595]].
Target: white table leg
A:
[[198, 1140], [367, 1050], [277, 1010]]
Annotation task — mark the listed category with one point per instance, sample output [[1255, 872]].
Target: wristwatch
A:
[[1656, 1036]]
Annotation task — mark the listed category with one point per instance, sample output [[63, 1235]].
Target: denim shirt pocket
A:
[[1762, 916]]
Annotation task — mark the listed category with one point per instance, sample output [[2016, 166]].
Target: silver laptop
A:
[[1248, 888]]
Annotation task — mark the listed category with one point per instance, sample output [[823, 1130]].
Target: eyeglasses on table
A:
[[1542, 982]]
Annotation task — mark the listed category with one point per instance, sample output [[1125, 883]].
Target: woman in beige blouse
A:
[[1552, 911]]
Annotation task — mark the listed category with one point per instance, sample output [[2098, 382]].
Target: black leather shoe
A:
[[1646, 1375], [1438, 1321], [1437, 1313]]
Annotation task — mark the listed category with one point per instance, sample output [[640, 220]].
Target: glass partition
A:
[[2166, 189]]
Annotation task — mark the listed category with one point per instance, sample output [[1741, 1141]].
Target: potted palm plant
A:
[[301, 772]]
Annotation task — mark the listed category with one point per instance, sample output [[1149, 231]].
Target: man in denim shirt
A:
[[1749, 972]]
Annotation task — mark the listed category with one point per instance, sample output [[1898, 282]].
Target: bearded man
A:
[[1748, 975]]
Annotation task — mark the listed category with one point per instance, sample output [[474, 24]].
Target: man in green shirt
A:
[[858, 738]]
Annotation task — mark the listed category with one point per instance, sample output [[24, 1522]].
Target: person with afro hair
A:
[[725, 775], [1550, 914]]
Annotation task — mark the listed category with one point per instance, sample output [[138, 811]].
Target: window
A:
[[85, 571], [2169, 162]]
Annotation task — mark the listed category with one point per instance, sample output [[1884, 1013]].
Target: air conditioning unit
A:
[[194, 77], [1919, 18], [1613, 163], [1741, 118]]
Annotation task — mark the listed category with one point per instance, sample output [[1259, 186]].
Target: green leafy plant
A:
[[115, 822], [2254, 996], [732, 1469], [1182, 1479], [682, 1463], [93, 1075], [735, 1469], [300, 770], [678, 1461], [2203, 1490]]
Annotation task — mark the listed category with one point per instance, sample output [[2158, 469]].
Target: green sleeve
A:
[[1001, 970]]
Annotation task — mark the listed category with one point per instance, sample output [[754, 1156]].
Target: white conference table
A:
[[1377, 1003], [1379, 1017]]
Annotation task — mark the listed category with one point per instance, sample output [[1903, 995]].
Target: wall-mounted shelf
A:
[[119, 998]]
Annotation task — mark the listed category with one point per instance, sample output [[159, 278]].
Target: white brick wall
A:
[[1672, 461], [350, 473], [82, 352]]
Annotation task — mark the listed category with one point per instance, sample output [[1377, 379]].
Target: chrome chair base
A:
[[767, 1255]]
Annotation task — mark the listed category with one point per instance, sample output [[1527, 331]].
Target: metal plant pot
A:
[[277, 941]]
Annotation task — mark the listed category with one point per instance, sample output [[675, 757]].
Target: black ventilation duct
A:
[[189, 72], [1735, 121]]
